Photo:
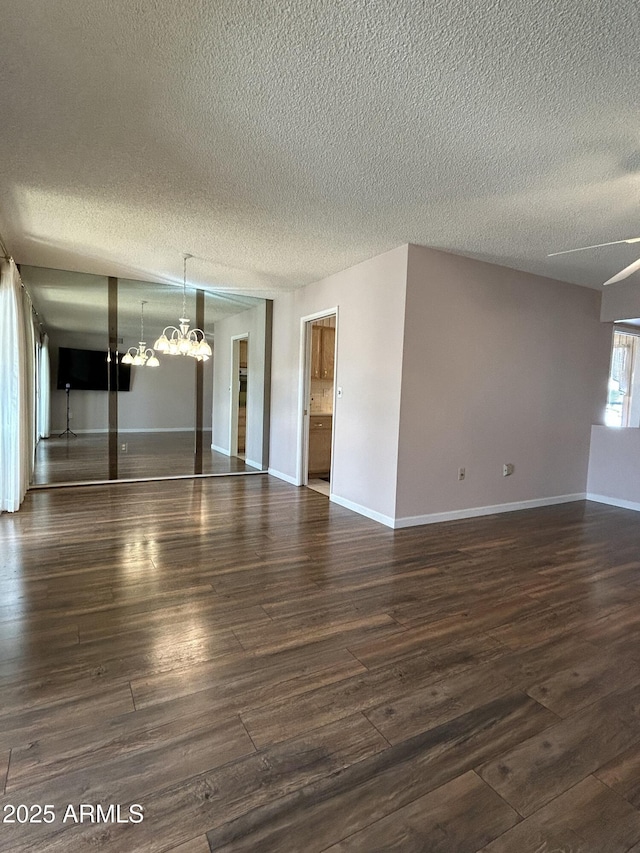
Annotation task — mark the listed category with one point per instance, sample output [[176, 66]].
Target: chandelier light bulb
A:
[[180, 339], [144, 356]]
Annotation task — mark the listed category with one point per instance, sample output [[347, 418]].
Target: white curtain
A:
[[17, 386], [44, 390]]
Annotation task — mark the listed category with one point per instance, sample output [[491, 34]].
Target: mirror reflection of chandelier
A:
[[182, 340], [144, 356]]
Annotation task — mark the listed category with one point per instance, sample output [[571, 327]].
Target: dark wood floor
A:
[[264, 671], [162, 454]]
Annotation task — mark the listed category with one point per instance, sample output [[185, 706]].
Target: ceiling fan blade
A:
[[625, 273], [597, 246]]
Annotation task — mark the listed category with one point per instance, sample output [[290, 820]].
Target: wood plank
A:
[[547, 622], [275, 637], [412, 641], [531, 665], [589, 818], [194, 845], [20, 641], [569, 690], [129, 778], [364, 691], [27, 715], [462, 815], [139, 766], [133, 734], [483, 611], [622, 774], [333, 808], [249, 682], [427, 707], [5, 757], [207, 614], [195, 803], [123, 658], [546, 765]]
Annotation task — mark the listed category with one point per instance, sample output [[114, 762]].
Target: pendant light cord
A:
[[142, 304], [186, 257]]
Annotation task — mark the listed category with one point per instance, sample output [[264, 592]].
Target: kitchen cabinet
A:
[[323, 344], [320, 445], [242, 429]]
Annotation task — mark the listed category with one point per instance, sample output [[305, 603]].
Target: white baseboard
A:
[[159, 429], [218, 449], [55, 432], [605, 499], [453, 515], [474, 512], [285, 477], [363, 510], [253, 464]]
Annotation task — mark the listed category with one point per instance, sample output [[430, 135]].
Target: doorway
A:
[[239, 386], [320, 364]]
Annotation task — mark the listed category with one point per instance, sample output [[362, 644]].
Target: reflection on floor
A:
[[321, 486], [61, 460]]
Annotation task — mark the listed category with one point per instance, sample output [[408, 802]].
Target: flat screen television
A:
[[87, 370]]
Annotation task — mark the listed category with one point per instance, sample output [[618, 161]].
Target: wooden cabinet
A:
[[323, 345], [242, 352], [242, 429], [327, 354], [320, 445]]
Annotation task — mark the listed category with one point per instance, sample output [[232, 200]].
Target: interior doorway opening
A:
[[319, 402], [239, 386]]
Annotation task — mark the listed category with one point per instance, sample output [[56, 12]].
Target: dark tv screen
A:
[[87, 370]]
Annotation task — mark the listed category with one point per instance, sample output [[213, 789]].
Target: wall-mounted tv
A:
[[88, 370]]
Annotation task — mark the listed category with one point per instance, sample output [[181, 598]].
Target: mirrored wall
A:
[[112, 421]]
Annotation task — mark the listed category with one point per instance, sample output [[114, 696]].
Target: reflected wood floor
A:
[[263, 670], [160, 454]]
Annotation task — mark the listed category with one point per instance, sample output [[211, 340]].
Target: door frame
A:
[[304, 393], [234, 389]]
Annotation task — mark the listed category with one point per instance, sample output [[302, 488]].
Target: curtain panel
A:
[[44, 389], [17, 389]]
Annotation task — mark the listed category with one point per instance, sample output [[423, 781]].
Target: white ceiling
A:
[[282, 141]]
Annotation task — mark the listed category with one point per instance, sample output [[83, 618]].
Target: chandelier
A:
[[182, 340], [144, 356]]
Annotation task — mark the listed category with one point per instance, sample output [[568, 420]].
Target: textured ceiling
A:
[[282, 141]]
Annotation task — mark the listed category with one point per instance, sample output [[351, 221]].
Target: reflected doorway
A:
[[239, 388]]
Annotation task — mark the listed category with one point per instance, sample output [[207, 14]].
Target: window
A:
[[623, 398]]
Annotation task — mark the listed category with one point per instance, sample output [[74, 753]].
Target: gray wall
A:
[[614, 466], [446, 362], [370, 302], [621, 301], [499, 367]]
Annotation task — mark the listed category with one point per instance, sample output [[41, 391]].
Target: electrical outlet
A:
[[507, 469], [339, 393], [124, 448], [461, 473]]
